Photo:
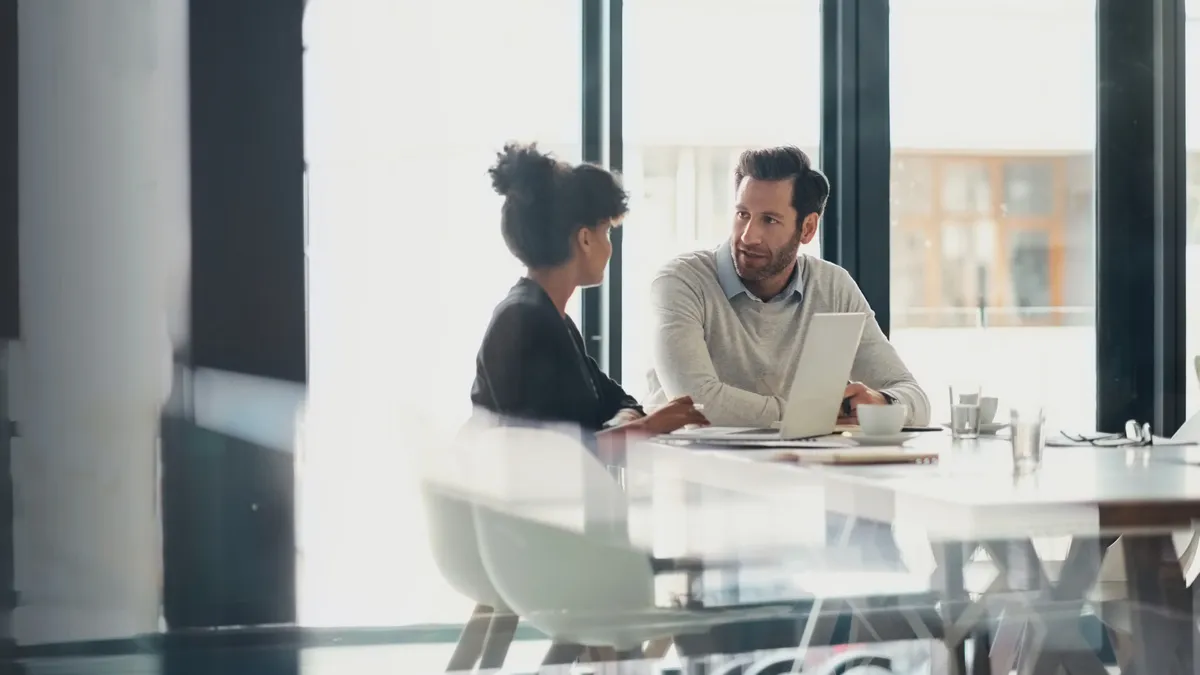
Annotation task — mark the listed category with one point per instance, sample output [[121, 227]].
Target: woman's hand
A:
[[676, 414], [625, 416]]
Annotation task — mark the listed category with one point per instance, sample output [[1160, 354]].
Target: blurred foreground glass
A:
[[1027, 425], [964, 410]]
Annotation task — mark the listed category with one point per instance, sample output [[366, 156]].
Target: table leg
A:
[[1052, 611], [981, 664], [950, 563], [1161, 607]]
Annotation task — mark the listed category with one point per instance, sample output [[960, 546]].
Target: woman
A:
[[532, 364]]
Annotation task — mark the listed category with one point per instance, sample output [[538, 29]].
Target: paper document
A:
[[837, 456]]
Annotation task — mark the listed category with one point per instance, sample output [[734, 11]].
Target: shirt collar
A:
[[732, 284]]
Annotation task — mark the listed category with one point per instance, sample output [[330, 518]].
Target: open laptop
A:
[[815, 397]]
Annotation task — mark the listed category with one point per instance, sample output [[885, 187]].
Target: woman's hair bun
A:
[[522, 171]]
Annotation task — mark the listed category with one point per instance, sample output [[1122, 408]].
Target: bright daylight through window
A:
[[992, 243], [992, 232], [691, 106], [396, 100]]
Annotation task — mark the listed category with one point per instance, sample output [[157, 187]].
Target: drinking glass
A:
[[964, 410], [1027, 425]]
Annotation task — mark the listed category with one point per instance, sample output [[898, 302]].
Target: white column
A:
[[104, 218]]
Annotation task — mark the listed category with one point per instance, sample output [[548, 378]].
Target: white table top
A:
[[722, 503], [971, 492]]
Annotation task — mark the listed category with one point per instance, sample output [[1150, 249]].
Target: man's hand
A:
[[858, 394]]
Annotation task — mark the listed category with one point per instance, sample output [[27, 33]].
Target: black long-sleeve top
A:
[[532, 365]]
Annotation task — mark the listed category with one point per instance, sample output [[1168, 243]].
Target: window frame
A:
[[856, 155]]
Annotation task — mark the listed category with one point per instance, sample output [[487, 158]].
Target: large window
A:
[[732, 76], [992, 243], [992, 229], [407, 104]]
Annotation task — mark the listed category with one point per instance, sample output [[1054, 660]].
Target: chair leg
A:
[[470, 641], [500, 632], [560, 657], [610, 661], [632, 662], [607, 654], [657, 649], [1122, 645]]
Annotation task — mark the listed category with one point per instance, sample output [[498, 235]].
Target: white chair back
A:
[[552, 564], [455, 546], [447, 498]]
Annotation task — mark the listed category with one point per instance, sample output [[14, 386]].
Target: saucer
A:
[[860, 438], [989, 429]]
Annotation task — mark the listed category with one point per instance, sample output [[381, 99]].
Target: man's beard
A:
[[779, 261]]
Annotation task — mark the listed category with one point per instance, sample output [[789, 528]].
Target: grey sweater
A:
[[734, 353]]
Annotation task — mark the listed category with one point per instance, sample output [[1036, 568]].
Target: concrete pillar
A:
[[104, 218]]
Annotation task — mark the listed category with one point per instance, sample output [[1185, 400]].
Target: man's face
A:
[[766, 234]]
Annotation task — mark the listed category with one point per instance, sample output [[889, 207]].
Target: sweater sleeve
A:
[[685, 367], [877, 363]]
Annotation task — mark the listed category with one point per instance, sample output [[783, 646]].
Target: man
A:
[[730, 322]]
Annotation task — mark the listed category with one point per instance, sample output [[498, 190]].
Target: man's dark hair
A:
[[546, 201], [810, 187]]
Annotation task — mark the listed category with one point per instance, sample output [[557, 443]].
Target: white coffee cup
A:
[[882, 420], [987, 409]]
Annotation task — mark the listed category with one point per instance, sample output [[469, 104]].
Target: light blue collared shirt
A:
[[732, 284]]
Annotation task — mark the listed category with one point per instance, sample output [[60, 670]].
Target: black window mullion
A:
[[9, 284], [1140, 177], [831, 48], [614, 280], [856, 145], [873, 178], [592, 101], [1170, 155], [246, 118]]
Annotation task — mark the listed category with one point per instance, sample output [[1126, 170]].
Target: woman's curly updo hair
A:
[[547, 201]]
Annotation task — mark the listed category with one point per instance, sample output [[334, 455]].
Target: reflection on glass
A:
[[966, 269], [965, 188], [1009, 290], [1029, 188], [912, 185], [1029, 263], [914, 245]]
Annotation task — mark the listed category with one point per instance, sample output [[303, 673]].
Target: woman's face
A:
[[594, 250]]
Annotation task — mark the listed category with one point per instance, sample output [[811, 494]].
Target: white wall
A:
[[104, 218]]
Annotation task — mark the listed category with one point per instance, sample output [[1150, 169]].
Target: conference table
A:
[[1100, 499]]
